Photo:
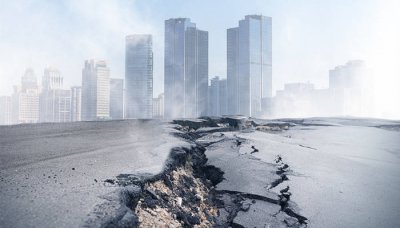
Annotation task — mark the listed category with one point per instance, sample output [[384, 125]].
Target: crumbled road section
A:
[[185, 194], [180, 199]]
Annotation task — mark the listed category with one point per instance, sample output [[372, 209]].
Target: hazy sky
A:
[[309, 37]]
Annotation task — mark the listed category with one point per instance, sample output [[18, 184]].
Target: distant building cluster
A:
[[188, 92], [350, 92], [50, 102]]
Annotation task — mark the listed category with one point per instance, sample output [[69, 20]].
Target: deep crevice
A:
[[284, 196], [140, 192]]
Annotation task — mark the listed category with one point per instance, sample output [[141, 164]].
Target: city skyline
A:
[[291, 63], [349, 93], [199, 113]]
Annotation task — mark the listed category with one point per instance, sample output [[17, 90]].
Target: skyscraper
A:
[[217, 99], [249, 65], [5, 110], [55, 102], [185, 69], [25, 100], [29, 80], [158, 107], [116, 98], [351, 89], [353, 74], [223, 99], [76, 103], [295, 100], [95, 90], [52, 79], [139, 76]]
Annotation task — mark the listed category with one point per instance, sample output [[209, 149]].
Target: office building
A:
[[5, 110], [139, 76], [116, 99], [25, 100], [55, 102], [351, 88], [295, 100], [76, 103], [217, 99], [158, 107], [185, 69], [95, 90], [249, 65]]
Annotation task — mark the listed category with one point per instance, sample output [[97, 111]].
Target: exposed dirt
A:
[[184, 194], [179, 200]]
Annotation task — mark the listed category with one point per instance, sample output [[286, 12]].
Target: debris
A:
[[110, 181], [255, 150]]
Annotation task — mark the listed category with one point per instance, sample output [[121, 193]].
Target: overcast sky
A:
[[309, 37]]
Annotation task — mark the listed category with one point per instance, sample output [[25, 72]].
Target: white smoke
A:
[[64, 34]]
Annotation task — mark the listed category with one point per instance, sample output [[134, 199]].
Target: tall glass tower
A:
[[185, 69], [249, 65], [95, 90], [54, 101], [139, 76], [116, 98]]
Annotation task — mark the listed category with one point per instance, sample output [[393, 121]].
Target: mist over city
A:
[[258, 113], [309, 41]]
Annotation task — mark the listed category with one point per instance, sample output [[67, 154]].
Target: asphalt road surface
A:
[[52, 175]]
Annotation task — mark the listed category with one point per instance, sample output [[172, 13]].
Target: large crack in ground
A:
[[185, 194], [234, 201]]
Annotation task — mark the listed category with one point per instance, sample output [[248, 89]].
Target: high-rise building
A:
[[95, 90], [139, 76], [29, 80], [223, 99], [158, 107], [353, 74], [116, 98], [295, 100], [55, 102], [217, 99], [213, 97], [25, 100], [185, 69], [76, 103], [5, 110], [63, 108], [249, 65], [52, 79], [55, 105], [351, 89]]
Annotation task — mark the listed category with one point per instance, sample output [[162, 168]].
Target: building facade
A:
[[5, 110], [55, 102], [25, 100], [139, 76], [217, 98], [249, 65], [295, 100], [76, 103], [351, 89], [95, 90], [158, 107], [116, 99], [185, 69]]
